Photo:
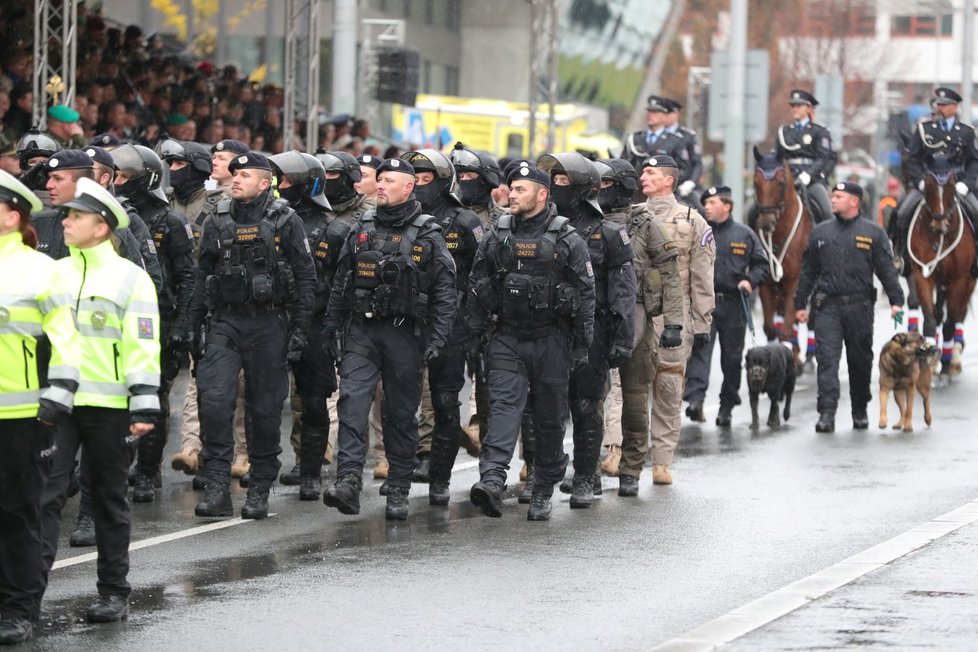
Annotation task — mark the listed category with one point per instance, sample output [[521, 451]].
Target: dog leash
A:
[[748, 316]]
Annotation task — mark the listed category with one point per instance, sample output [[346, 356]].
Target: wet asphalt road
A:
[[747, 514]]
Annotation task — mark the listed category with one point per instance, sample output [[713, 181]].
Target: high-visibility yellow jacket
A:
[[32, 305], [117, 316]]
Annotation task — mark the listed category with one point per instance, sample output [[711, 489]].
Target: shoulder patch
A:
[[190, 231], [479, 233], [707, 237], [145, 327], [590, 269], [624, 236]]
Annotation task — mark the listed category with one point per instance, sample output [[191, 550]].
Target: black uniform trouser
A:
[[24, 464], [377, 348], [851, 324], [107, 452], [149, 453], [538, 368], [730, 327], [315, 381], [446, 377], [587, 390], [257, 345]]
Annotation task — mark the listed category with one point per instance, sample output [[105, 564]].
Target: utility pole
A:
[[733, 144], [967, 59], [344, 56]]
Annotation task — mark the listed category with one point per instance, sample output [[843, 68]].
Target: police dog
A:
[[906, 362], [771, 371]]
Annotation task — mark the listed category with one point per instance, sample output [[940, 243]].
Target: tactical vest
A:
[[156, 222], [391, 276], [594, 236], [680, 229], [530, 281], [456, 247], [249, 270]]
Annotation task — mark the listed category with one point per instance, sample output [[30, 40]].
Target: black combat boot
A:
[[860, 420], [567, 484], [397, 504], [15, 630], [199, 483], [438, 493], [216, 501], [421, 471], [256, 503], [293, 477], [627, 486], [310, 488], [596, 481], [723, 416], [527, 492], [384, 488], [143, 490], [487, 496], [344, 495], [108, 609], [826, 422], [583, 492], [695, 411], [83, 536], [540, 508]]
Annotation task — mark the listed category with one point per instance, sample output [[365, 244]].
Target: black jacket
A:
[[958, 144], [808, 149], [739, 257]]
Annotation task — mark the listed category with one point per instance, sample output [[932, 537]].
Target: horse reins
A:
[[767, 241], [928, 268]]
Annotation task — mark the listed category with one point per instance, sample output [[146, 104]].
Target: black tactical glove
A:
[[431, 354], [473, 352], [332, 345], [50, 415], [700, 340], [671, 337], [36, 178], [199, 343], [618, 355], [297, 345], [578, 358]]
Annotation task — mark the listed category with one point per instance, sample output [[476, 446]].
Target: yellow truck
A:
[[496, 126]]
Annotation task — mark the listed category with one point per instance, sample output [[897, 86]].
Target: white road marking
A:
[[754, 615]]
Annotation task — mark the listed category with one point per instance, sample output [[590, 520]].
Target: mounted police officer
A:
[[393, 305], [740, 267], [342, 173], [301, 181], [575, 182], [656, 139], [688, 186], [806, 147], [140, 178], [256, 277], [840, 260], [533, 279], [946, 136]]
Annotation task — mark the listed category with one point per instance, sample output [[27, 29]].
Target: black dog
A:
[[770, 370]]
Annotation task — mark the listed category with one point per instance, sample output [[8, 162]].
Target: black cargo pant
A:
[[388, 349], [587, 391], [256, 344], [25, 462], [851, 324], [446, 376], [520, 368], [107, 452], [315, 381], [730, 327], [149, 453]]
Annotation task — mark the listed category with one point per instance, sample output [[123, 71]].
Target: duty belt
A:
[[528, 333], [800, 161], [250, 309], [847, 299], [726, 295]]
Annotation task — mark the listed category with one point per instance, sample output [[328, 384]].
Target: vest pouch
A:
[[262, 288], [285, 288], [516, 305], [231, 285], [568, 300], [366, 274], [652, 293]]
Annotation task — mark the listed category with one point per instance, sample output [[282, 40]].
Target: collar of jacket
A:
[[662, 206], [96, 255], [10, 242]]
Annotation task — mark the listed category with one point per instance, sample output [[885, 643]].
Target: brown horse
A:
[[940, 246], [783, 225]]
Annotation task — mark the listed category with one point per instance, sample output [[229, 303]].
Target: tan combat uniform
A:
[[693, 237]]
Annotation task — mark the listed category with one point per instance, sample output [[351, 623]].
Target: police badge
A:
[[807, 139], [98, 320]]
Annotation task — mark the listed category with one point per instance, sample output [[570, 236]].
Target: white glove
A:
[[686, 187], [920, 186], [962, 188], [805, 178]]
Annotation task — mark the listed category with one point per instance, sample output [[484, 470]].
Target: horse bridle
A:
[[775, 209], [942, 181]]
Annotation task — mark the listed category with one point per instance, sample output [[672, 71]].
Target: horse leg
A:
[[789, 285], [958, 296], [768, 301], [947, 348], [925, 289]]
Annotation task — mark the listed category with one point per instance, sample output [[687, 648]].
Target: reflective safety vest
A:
[[33, 306], [117, 315]]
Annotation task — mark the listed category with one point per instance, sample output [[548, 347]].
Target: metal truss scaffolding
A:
[[301, 86], [55, 32]]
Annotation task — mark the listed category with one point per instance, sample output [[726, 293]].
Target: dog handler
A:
[[841, 257]]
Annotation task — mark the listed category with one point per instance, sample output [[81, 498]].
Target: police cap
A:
[[69, 159], [370, 161], [99, 155], [249, 160], [529, 173], [90, 197], [674, 105], [230, 145], [658, 104], [19, 196], [848, 186], [395, 165], [659, 162], [945, 95], [716, 191], [799, 96], [106, 140]]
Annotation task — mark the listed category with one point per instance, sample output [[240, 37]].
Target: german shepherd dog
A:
[[906, 362], [770, 370]]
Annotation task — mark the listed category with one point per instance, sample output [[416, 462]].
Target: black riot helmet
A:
[[34, 144], [475, 192], [431, 160], [306, 176], [584, 181], [340, 190], [147, 176], [624, 183], [196, 154]]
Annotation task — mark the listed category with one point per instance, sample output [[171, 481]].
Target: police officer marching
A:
[[117, 400], [36, 309], [462, 232], [190, 169], [740, 267], [575, 182], [533, 277], [806, 147], [840, 260], [478, 176], [342, 174], [393, 305], [301, 180], [256, 277]]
